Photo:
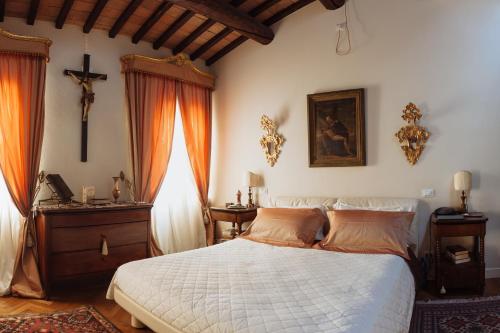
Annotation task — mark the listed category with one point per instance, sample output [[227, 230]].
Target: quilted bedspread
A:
[[244, 286]]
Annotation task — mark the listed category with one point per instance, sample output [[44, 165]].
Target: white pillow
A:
[[339, 205]]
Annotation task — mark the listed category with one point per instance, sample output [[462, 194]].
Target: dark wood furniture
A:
[[235, 216], [464, 275], [83, 244]]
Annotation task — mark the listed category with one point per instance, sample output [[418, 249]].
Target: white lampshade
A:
[[250, 179], [462, 180]]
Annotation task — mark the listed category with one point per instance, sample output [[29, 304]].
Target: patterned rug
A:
[[479, 315], [84, 319]]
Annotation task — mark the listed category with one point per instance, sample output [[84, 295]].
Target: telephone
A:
[[446, 211]]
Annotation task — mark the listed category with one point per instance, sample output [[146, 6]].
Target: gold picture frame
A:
[[336, 122]]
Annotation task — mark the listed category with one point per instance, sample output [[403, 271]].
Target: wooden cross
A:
[[85, 79]]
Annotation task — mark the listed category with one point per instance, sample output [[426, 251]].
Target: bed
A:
[[245, 286]]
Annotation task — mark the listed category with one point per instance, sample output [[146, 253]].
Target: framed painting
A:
[[336, 128]]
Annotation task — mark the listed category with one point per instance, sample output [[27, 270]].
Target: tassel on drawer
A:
[[104, 246]]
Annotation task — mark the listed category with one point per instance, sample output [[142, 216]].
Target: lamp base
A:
[[250, 198], [464, 207]]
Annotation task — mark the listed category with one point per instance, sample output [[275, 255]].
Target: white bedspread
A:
[[244, 286]]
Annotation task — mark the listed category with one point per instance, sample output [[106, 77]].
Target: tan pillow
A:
[[364, 231], [294, 227]]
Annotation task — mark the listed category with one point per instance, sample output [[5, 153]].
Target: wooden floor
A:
[[121, 319], [70, 300]]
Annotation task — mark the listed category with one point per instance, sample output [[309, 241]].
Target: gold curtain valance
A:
[[178, 67], [12, 43]]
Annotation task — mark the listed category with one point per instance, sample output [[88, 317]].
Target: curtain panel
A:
[[151, 108], [196, 110], [22, 110], [193, 87]]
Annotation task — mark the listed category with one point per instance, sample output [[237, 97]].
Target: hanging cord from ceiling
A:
[[343, 35]]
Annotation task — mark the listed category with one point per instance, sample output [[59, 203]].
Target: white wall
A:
[[442, 55], [108, 133]]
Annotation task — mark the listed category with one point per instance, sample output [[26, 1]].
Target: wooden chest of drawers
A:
[[88, 244]]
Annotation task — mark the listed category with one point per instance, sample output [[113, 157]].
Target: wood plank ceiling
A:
[[206, 29]]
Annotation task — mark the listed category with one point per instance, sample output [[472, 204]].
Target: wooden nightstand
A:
[[235, 216], [465, 275]]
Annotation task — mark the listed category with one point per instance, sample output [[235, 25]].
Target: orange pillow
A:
[[295, 227], [365, 231]]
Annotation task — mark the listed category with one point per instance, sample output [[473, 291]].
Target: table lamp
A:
[[250, 180], [462, 181]]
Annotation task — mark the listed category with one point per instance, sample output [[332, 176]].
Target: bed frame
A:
[[139, 317]]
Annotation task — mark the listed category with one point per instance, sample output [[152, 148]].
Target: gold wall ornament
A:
[[412, 137], [271, 141]]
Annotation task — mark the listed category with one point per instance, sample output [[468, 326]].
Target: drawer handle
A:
[[104, 247]]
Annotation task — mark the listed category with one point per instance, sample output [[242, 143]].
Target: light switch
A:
[[428, 192]]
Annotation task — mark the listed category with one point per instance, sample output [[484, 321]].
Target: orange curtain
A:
[[196, 111], [151, 107], [22, 108]]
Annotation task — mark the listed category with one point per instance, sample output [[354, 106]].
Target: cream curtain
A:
[[9, 237], [177, 214]]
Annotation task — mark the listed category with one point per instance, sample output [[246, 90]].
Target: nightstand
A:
[[235, 216], [464, 275]]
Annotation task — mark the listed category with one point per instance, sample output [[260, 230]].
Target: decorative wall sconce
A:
[[271, 141], [412, 137]]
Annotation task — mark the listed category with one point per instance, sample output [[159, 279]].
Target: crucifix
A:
[[85, 79]]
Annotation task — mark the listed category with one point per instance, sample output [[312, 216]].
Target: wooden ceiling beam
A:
[[63, 13], [94, 15], [270, 21], [157, 14], [210, 43], [262, 7], [231, 17], [192, 36], [123, 18], [287, 11], [237, 3], [2, 10], [178, 23], [200, 30], [226, 49], [33, 11], [332, 4], [214, 40]]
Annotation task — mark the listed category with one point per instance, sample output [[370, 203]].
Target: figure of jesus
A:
[[88, 94]]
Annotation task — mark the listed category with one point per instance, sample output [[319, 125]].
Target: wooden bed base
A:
[[141, 317]]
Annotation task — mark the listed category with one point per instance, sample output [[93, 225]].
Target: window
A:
[[177, 215]]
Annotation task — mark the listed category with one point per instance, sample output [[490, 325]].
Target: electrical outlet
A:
[[428, 192]]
